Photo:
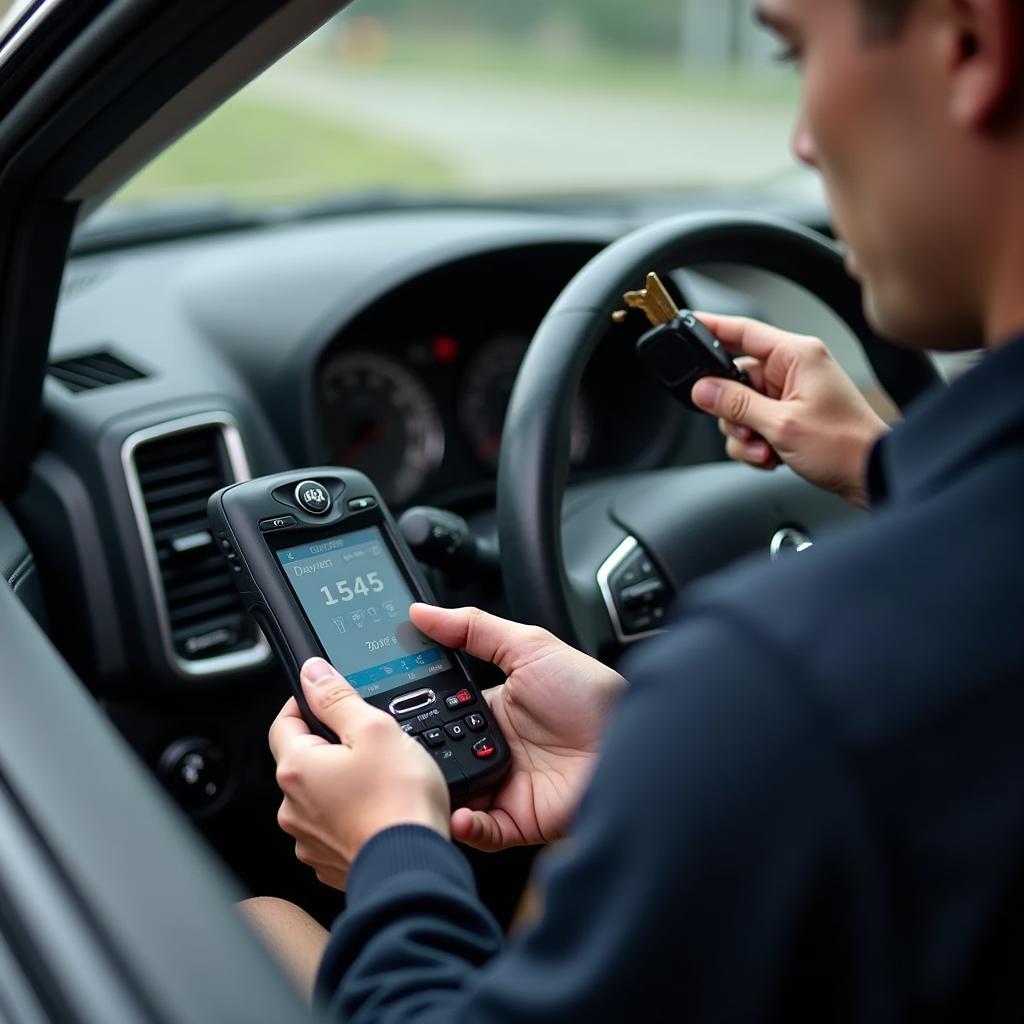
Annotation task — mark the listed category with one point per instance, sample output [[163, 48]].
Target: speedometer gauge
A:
[[380, 419], [486, 390]]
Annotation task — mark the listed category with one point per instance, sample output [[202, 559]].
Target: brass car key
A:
[[679, 350], [654, 300]]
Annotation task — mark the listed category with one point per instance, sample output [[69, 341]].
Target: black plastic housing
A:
[[682, 351], [236, 513]]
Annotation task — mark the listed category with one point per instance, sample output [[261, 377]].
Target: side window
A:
[[540, 99]]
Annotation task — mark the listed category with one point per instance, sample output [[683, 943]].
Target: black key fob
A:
[[682, 351]]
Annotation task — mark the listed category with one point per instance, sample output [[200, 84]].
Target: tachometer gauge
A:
[[486, 389], [380, 419]]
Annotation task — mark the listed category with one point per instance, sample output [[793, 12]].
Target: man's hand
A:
[[807, 411], [338, 796], [551, 708]]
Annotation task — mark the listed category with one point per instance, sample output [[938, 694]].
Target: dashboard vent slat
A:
[[206, 625], [97, 370]]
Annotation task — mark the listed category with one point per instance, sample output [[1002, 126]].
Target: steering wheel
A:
[[566, 568]]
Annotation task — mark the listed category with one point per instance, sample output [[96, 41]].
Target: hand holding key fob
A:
[[679, 350], [323, 569]]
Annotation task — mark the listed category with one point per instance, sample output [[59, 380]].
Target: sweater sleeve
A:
[[719, 869]]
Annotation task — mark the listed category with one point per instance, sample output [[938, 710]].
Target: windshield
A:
[[473, 99]]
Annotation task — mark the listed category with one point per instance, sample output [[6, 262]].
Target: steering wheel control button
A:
[[484, 749], [643, 595], [634, 591], [361, 504], [277, 523], [313, 497], [455, 730], [409, 703], [475, 723], [457, 700], [433, 738]]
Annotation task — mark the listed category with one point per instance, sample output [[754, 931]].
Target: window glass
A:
[[477, 99]]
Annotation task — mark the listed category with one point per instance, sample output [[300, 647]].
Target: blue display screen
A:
[[357, 601]]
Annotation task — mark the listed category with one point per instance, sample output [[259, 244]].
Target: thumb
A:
[[331, 698], [736, 403], [505, 643]]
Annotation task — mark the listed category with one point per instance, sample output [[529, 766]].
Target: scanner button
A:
[[476, 723], [360, 504], [484, 748], [456, 730], [456, 700], [433, 738], [313, 497], [277, 523], [410, 702]]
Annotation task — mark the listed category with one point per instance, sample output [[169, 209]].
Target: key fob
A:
[[680, 352]]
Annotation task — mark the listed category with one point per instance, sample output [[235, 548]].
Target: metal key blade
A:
[[654, 300]]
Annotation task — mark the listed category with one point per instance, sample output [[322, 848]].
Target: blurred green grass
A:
[[253, 151]]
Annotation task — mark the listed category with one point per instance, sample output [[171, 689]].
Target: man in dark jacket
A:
[[809, 800]]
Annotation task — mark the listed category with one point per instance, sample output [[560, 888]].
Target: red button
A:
[[483, 748], [464, 697]]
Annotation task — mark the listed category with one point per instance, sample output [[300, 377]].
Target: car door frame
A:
[[110, 907]]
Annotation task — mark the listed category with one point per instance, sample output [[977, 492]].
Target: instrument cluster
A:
[[414, 392]]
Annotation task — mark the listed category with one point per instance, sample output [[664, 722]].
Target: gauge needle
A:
[[367, 435]]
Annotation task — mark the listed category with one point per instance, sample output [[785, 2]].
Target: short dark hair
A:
[[885, 17]]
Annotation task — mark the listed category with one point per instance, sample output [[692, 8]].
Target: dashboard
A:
[[389, 343], [385, 341]]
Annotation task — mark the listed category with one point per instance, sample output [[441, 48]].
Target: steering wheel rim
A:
[[534, 462]]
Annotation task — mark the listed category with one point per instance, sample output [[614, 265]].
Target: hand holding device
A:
[[336, 798], [320, 564], [679, 350], [552, 710], [800, 403]]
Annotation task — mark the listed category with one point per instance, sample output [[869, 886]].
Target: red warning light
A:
[[445, 349]]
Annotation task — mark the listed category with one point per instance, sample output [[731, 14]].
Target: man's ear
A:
[[985, 39]]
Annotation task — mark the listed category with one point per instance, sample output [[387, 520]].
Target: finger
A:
[[737, 403], [287, 728], [754, 369], [758, 454], [336, 703], [483, 635], [741, 334], [741, 433], [485, 830]]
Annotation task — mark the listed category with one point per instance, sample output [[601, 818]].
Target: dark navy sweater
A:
[[809, 805]]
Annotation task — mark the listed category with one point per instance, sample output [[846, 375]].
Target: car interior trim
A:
[[259, 653], [25, 25], [63, 957], [604, 574]]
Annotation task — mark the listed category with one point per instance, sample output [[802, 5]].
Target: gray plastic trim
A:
[[259, 653]]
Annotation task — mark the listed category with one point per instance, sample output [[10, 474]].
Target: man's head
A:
[[913, 111]]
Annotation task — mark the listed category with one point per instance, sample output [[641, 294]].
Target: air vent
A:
[[172, 471], [98, 370]]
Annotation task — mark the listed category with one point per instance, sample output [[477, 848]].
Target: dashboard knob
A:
[[196, 772]]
